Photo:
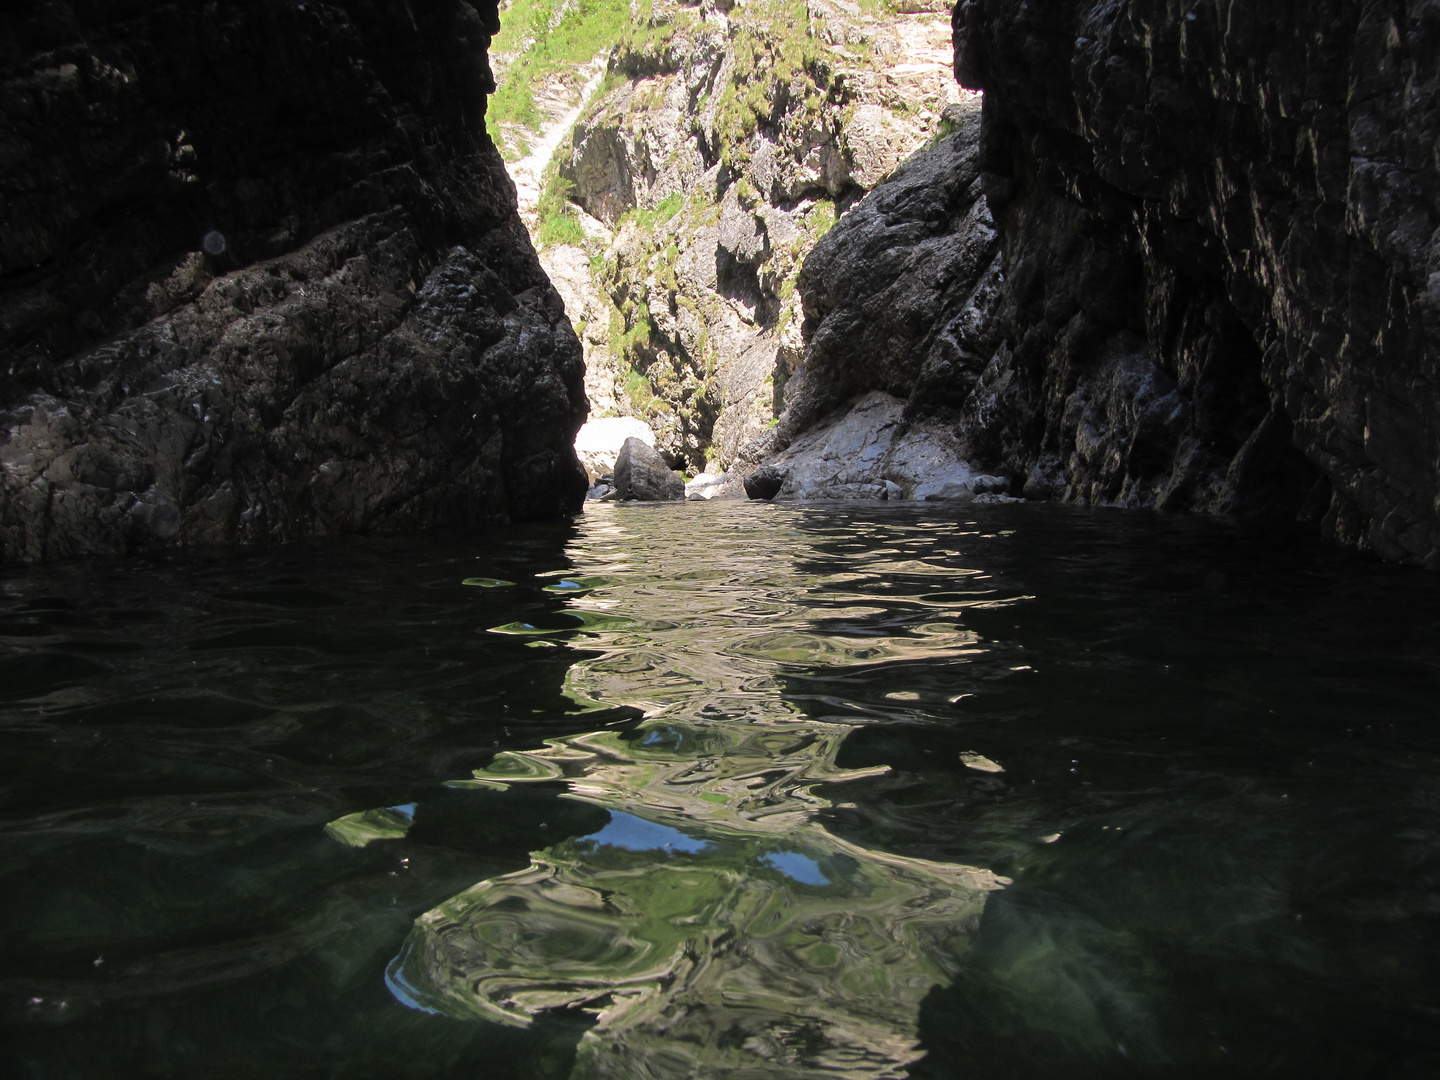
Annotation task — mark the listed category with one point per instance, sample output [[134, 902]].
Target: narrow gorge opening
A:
[[696, 154]]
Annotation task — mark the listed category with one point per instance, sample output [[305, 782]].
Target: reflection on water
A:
[[714, 789], [723, 931], [713, 926]]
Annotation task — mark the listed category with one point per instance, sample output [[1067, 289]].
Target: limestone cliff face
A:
[[1219, 226], [725, 141], [263, 279]]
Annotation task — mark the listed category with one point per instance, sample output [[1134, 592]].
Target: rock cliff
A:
[[899, 296], [724, 141], [1214, 276], [263, 279], [1222, 265]]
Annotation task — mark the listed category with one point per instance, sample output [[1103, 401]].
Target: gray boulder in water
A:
[[641, 473]]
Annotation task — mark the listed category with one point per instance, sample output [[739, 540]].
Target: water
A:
[[725, 789]]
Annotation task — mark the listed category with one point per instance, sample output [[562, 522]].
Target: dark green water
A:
[[693, 791]]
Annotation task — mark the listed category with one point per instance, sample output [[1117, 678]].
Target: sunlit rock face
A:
[[264, 279], [1222, 265], [897, 295], [725, 142], [871, 451], [898, 305]]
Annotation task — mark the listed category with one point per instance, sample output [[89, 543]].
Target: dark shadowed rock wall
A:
[[262, 278], [1218, 221], [898, 296]]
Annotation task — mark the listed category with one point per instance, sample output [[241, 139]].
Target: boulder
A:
[[598, 443], [871, 451], [641, 474], [766, 481]]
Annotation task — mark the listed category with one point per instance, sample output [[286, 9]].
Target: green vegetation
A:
[[822, 218], [649, 218], [559, 221], [560, 227], [551, 36], [640, 392], [773, 40], [646, 38]]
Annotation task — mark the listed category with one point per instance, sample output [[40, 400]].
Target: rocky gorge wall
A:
[[1222, 265], [1216, 275], [723, 142], [262, 278]]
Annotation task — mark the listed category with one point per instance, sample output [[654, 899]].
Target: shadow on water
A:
[[175, 736], [726, 790]]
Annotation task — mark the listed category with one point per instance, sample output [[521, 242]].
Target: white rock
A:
[[861, 454], [598, 443], [706, 485]]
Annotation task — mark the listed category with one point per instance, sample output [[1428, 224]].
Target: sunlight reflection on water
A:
[[714, 927]]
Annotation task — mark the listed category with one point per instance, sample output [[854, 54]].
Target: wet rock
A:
[[1127, 286], [642, 474], [224, 318], [872, 451]]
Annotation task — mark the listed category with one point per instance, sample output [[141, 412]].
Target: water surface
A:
[[725, 789]]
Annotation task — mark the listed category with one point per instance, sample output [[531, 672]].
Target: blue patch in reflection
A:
[[406, 810], [797, 867], [637, 834], [663, 736], [401, 988]]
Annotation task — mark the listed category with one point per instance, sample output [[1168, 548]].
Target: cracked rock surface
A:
[[1187, 259], [263, 280], [1219, 226]]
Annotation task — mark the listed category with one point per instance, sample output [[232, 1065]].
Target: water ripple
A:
[[714, 927]]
